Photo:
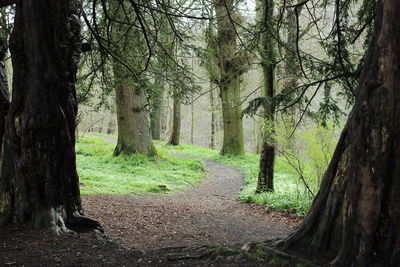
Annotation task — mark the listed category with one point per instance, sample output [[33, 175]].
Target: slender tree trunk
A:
[[157, 109], [230, 72], [192, 122], [267, 160], [213, 119], [291, 64], [176, 123], [164, 118], [213, 73], [355, 218], [39, 183], [111, 122]]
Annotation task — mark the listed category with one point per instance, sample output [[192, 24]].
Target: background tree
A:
[[354, 219], [230, 70], [211, 65], [176, 122], [265, 15], [38, 184], [134, 134], [157, 101]]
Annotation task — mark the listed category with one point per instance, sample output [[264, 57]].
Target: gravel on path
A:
[[208, 213]]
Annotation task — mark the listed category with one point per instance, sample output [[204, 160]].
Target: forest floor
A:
[[202, 225]]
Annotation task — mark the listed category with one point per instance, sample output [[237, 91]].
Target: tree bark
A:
[[132, 116], [39, 183], [4, 92], [213, 119], [355, 217], [176, 123], [230, 72], [192, 122], [134, 135], [157, 109], [265, 181]]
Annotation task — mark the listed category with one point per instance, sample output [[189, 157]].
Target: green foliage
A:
[[289, 192], [101, 173], [299, 167]]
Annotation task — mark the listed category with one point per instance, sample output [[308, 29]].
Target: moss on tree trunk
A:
[[267, 48], [230, 70], [134, 135], [233, 143]]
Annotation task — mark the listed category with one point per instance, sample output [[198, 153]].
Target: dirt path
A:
[[205, 214]]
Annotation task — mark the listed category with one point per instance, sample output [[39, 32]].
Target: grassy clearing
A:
[[290, 194], [101, 173]]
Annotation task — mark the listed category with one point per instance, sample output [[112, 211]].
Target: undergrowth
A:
[[102, 173]]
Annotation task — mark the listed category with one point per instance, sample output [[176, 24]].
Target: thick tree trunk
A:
[[265, 181], [355, 218], [176, 123], [134, 135], [132, 116], [230, 71], [39, 183], [233, 142]]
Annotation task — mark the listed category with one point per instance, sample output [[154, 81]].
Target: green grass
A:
[[289, 195], [101, 173]]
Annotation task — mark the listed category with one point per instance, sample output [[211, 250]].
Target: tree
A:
[[176, 122], [157, 107], [4, 93], [265, 15], [354, 219], [211, 65], [230, 70], [174, 89], [39, 182], [134, 134]]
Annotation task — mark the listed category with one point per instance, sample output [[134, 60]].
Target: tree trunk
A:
[[132, 116], [111, 121], [176, 123], [134, 135], [355, 218], [265, 181], [157, 109], [230, 72], [4, 92], [213, 120], [192, 122], [39, 183], [233, 143]]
